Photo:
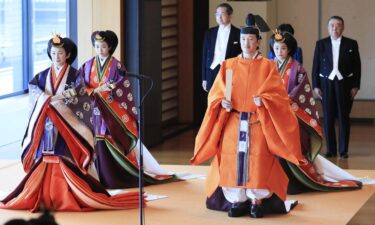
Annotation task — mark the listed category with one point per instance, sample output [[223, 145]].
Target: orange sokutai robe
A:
[[273, 128], [305, 177], [57, 152]]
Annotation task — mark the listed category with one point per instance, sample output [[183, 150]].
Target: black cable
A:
[[140, 78]]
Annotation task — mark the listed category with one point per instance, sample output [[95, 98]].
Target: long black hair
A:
[[284, 37], [107, 36]]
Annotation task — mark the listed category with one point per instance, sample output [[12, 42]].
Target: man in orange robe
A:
[[245, 142]]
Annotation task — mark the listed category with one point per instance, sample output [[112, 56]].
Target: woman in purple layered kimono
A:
[[115, 119], [58, 144], [317, 173]]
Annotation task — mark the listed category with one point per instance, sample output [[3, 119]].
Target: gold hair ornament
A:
[[99, 38], [278, 36], [56, 40]]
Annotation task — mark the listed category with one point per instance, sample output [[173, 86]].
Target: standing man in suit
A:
[[336, 80], [220, 43]]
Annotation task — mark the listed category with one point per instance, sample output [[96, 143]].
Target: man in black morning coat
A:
[[220, 43], [336, 78]]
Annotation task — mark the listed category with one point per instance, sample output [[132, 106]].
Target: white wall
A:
[[303, 15], [359, 19], [96, 15]]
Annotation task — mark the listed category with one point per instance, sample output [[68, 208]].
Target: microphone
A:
[[136, 75], [140, 78]]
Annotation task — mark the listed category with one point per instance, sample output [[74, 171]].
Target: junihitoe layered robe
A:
[[57, 151], [273, 130], [318, 174], [115, 125]]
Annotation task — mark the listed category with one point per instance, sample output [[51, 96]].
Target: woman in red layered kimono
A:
[[316, 173], [246, 132], [115, 119], [58, 144]]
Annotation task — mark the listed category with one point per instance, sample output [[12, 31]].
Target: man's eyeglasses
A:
[[220, 14]]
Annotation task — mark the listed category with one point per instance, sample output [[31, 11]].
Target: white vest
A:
[[335, 55]]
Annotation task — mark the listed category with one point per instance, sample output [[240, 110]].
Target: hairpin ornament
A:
[[98, 37], [278, 36], [56, 39]]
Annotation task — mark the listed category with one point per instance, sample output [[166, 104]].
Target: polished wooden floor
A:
[[179, 149]]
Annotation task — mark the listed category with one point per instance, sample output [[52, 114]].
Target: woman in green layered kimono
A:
[[58, 144], [115, 119], [317, 173]]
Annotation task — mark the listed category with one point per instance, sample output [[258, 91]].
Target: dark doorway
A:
[[201, 24]]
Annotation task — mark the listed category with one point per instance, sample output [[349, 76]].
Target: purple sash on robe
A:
[[243, 148]]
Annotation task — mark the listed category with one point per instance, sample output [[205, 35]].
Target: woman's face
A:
[[281, 50], [58, 56], [101, 48], [249, 43]]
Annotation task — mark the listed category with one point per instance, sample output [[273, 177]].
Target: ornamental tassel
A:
[[48, 137], [97, 120], [243, 150]]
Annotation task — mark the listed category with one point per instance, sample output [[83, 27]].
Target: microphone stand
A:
[[140, 78]]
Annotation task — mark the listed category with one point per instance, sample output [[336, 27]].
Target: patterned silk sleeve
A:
[[303, 98], [122, 93], [81, 104]]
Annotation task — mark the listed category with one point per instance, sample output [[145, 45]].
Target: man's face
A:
[[222, 17], [335, 28], [249, 43]]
